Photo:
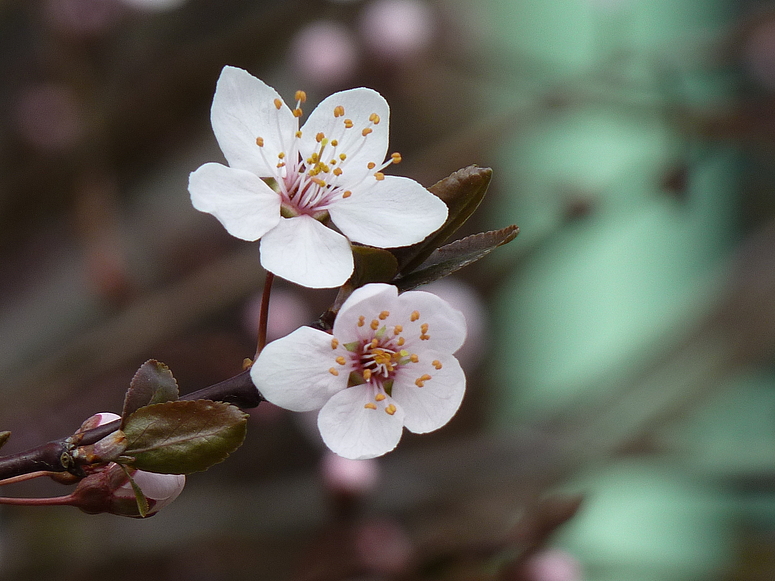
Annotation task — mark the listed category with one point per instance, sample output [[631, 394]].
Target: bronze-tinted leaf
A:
[[153, 383], [452, 257], [180, 437]]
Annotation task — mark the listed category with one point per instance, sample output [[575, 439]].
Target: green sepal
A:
[[153, 383], [143, 505], [452, 257], [462, 192], [181, 437]]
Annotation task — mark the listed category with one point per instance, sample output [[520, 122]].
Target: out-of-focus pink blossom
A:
[[83, 17], [465, 299], [397, 29], [341, 475], [48, 116], [553, 565], [154, 5], [324, 54], [287, 312], [383, 547], [759, 53]]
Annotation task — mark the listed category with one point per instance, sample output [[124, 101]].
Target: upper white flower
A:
[[330, 168], [388, 364]]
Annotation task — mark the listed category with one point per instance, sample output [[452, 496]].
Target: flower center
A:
[[308, 186]]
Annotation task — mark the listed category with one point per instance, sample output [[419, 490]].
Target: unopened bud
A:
[[106, 450]]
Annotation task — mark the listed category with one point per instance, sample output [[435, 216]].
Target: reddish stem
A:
[[263, 316], [52, 501], [23, 477]]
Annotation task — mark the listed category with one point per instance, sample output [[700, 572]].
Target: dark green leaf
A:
[[153, 383], [372, 265], [181, 437], [454, 256], [142, 503], [462, 191]]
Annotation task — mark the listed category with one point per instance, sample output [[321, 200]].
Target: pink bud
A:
[[324, 53], [397, 29]]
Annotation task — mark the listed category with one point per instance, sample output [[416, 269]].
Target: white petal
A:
[[356, 432], [305, 252], [293, 372], [367, 301], [243, 203], [429, 407], [162, 487], [388, 213], [446, 326], [359, 105], [244, 109]]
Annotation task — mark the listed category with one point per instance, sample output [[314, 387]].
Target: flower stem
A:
[[23, 477], [263, 317], [51, 501]]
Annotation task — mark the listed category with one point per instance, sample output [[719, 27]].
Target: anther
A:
[[319, 182], [320, 136], [401, 341], [414, 358], [281, 164], [260, 141], [414, 316], [384, 315], [424, 337], [333, 371], [366, 131], [338, 111], [370, 406], [347, 194], [278, 104], [390, 410], [348, 123], [424, 328], [396, 157], [379, 176], [297, 112], [342, 156], [337, 171], [334, 343], [334, 142], [341, 360], [298, 134], [374, 343], [374, 118], [371, 165], [436, 363], [420, 381], [367, 374], [361, 321], [281, 155], [374, 325], [380, 396], [397, 330], [301, 96]]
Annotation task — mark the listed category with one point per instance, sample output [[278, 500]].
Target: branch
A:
[[55, 456]]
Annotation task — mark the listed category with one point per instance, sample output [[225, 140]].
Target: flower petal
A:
[[243, 110], [243, 203], [446, 329], [429, 407], [293, 372], [367, 301], [359, 106], [356, 432], [388, 213], [305, 252]]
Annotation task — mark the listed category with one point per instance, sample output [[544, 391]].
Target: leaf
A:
[[142, 502], [462, 192], [180, 437], [454, 256], [4, 436], [372, 265], [153, 383]]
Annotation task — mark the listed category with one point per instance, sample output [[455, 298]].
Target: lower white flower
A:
[[388, 364]]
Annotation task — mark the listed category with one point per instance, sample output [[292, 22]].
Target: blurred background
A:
[[619, 422]]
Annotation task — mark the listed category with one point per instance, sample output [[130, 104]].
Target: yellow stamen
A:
[[424, 328], [397, 330], [380, 396], [337, 171], [338, 111], [348, 123], [366, 131], [384, 315], [281, 155], [319, 182], [342, 156], [374, 118], [347, 194], [414, 316], [374, 325], [371, 165], [396, 157], [301, 96], [420, 381], [334, 142], [298, 134], [278, 104], [370, 406], [390, 410], [334, 343], [297, 112], [424, 337], [379, 176], [281, 164], [341, 360], [333, 371], [320, 137], [260, 141], [436, 363], [367, 374], [414, 358], [401, 341], [361, 321], [374, 343]]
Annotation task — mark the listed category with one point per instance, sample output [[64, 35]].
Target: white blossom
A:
[[388, 364], [329, 171]]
